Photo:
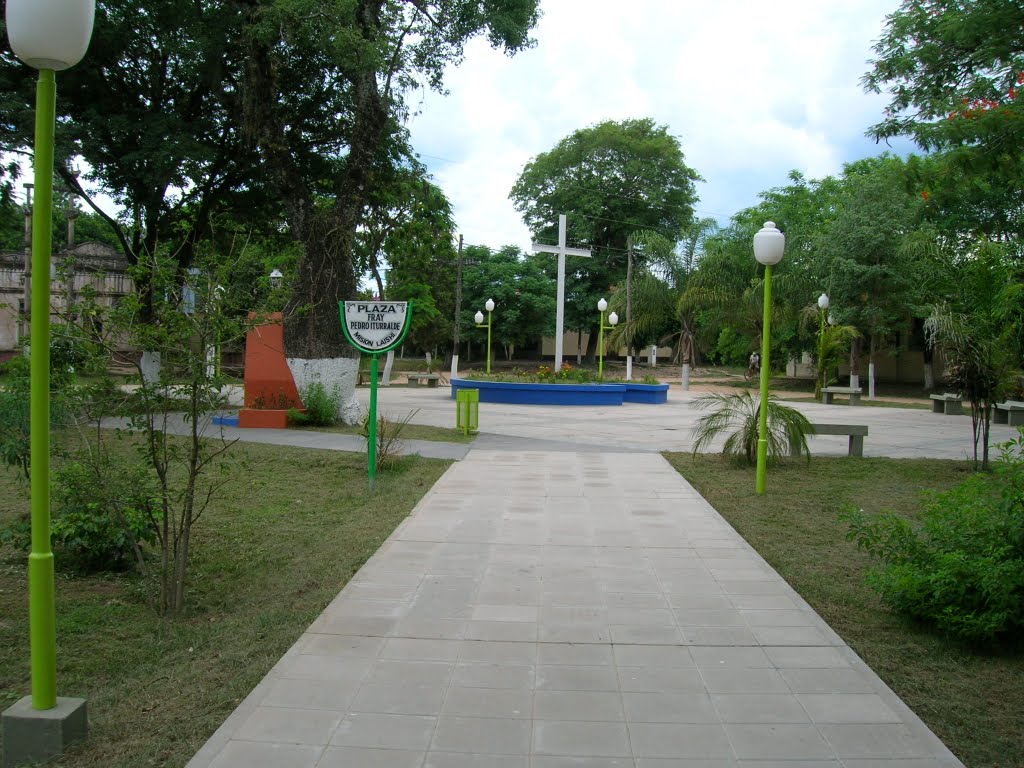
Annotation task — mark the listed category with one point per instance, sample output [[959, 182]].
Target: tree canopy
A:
[[612, 180]]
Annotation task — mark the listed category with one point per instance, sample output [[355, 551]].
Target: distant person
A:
[[754, 365]]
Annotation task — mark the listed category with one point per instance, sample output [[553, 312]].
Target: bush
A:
[[94, 526], [321, 407], [962, 569], [739, 413]]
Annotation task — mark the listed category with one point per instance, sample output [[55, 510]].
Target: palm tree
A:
[[978, 327], [660, 312], [739, 411], [834, 343]]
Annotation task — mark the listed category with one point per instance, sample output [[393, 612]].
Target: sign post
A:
[[374, 327]]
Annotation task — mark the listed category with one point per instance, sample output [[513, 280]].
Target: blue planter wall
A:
[[563, 394]]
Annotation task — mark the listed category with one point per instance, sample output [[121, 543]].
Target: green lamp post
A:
[[769, 245], [613, 320], [823, 303], [479, 317], [48, 35]]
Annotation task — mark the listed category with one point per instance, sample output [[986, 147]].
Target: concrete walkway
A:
[[547, 609]]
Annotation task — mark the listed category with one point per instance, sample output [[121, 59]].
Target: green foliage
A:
[[613, 180], [962, 568], [649, 379], [978, 328], [98, 522], [524, 297], [954, 71], [732, 348], [321, 406], [739, 412]]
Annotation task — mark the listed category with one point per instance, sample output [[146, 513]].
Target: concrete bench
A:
[[1011, 412], [948, 403], [416, 379], [829, 392], [856, 432]]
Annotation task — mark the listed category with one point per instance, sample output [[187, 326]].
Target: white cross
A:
[[562, 251]]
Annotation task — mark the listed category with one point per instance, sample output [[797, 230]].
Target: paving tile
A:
[[554, 737], [397, 672], [732, 636], [645, 707], [488, 702], [402, 732], [653, 656], [806, 658], [759, 708], [889, 741], [847, 708], [340, 645], [576, 678], [311, 667], [347, 757], [494, 652], [310, 694], [698, 762], [424, 628], [284, 725], [679, 740], [835, 681], [491, 736], [722, 657], [513, 631], [468, 760], [738, 680], [785, 741], [566, 761], [661, 680], [646, 635], [483, 675], [399, 699], [248, 754], [420, 649], [797, 636], [578, 705], [589, 654]]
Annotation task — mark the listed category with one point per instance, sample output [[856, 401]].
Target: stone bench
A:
[[948, 403], [1011, 412], [829, 392], [856, 433], [416, 379]]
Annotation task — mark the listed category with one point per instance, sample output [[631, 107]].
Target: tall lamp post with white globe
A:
[[48, 35], [769, 244], [613, 320], [479, 317]]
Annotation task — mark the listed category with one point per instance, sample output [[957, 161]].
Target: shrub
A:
[[787, 427], [389, 433], [962, 568], [95, 526], [321, 406]]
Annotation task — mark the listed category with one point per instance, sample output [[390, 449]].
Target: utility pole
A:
[[458, 312]]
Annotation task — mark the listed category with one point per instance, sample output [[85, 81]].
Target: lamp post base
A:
[[34, 736]]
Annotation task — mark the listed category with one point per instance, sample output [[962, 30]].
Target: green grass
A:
[[971, 698], [409, 432], [863, 401], [284, 537]]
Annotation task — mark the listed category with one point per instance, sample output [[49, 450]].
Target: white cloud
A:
[[752, 89]]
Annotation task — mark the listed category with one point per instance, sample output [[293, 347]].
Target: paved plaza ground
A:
[[562, 597]]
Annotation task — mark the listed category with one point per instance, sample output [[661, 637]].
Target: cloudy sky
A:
[[751, 89]]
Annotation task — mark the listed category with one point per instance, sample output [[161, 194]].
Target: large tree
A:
[[325, 90], [612, 179], [955, 73], [152, 110]]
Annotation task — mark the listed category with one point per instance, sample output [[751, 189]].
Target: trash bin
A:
[[467, 410]]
